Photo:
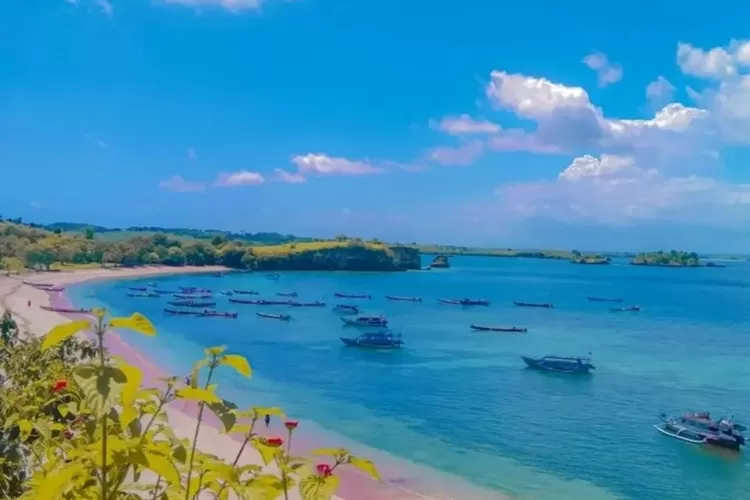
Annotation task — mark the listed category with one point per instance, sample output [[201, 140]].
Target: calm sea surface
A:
[[461, 402]]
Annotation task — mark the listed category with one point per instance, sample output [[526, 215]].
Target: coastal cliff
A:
[[349, 257], [440, 262]]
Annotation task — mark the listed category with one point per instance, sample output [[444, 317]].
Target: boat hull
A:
[[353, 343], [557, 367]]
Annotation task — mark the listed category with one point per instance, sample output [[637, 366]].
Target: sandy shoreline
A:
[[17, 296]]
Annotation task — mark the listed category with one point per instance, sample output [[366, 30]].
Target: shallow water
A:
[[461, 401]]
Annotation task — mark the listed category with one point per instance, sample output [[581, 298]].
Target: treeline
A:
[[25, 246], [673, 258]]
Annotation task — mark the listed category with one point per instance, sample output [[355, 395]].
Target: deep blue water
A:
[[461, 401]]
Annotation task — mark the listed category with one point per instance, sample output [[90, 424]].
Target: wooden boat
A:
[[699, 428], [178, 312], [404, 299], [626, 309], [192, 296], [263, 302], [603, 299], [513, 329], [380, 340], [533, 304], [317, 303], [192, 289], [165, 292], [143, 295], [560, 364], [365, 321], [65, 310], [244, 301], [138, 288], [151, 284], [246, 292], [346, 309], [287, 294], [217, 314], [38, 285], [191, 303], [227, 293], [54, 289], [282, 317], [465, 302], [352, 296]]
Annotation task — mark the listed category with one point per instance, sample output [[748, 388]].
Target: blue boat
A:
[[381, 340], [699, 428], [560, 364], [377, 321], [346, 309]]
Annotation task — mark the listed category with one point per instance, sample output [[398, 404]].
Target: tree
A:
[[40, 254], [89, 233], [151, 258], [175, 257], [11, 265], [219, 240], [248, 259], [112, 255]]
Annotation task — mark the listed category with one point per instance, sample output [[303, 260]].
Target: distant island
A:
[[667, 259], [440, 262], [449, 250], [596, 260]]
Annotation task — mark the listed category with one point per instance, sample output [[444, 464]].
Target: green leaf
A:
[[63, 410], [365, 466], [156, 463], [225, 414], [202, 395], [24, 429], [55, 483], [215, 351], [62, 332], [318, 487], [136, 322], [239, 363], [101, 386]]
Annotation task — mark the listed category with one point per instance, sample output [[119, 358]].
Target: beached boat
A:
[[603, 299], [380, 340], [138, 288], [38, 285], [317, 303], [377, 321], [465, 302], [179, 312], [191, 303], [699, 428], [346, 309], [282, 317], [246, 292], [512, 329], [65, 310], [54, 289], [352, 296], [143, 295], [560, 364], [193, 296], [626, 309], [533, 304], [217, 314], [403, 299], [287, 294]]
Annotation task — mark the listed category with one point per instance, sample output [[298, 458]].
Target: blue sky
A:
[[534, 124]]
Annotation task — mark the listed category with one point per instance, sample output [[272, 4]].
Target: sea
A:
[[458, 406]]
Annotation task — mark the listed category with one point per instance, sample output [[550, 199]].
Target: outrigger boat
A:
[[65, 310], [317, 303], [377, 321], [465, 302], [287, 294], [382, 340], [603, 299], [699, 428], [346, 309], [246, 292], [533, 304], [282, 317], [191, 303], [404, 299], [165, 292], [143, 295], [513, 329], [245, 301], [626, 309], [227, 293], [192, 289], [560, 364], [192, 296], [178, 312], [217, 314], [352, 296]]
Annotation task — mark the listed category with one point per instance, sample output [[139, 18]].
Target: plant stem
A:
[[156, 488], [239, 453], [100, 335], [201, 406]]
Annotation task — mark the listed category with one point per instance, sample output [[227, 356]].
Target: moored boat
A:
[[346, 308], [626, 309], [377, 321], [316, 303], [138, 288], [244, 301], [192, 289], [282, 317], [246, 292], [534, 304], [181, 312], [217, 314], [512, 329], [465, 302], [152, 284], [604, 299], [191, 303], [287, 294], [192, 296], [560, 364], [403, 299], [165, 292], [380, 340], [143, 295], [352, 296], [699, 428]]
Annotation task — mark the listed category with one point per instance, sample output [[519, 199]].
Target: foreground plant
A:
[[77, 424]]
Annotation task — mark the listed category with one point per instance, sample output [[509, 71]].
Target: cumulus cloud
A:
[[659, 92], [321, 164], [239, 178], [587, 166], [179, 184], [607, 72], [465, 125]]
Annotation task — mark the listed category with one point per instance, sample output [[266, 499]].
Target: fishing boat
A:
[[346, 309], [465, 302], [191, 303], [604, 299], [381, 340], [38, 285], [512, 329], [245, 301], [138, 288], [626, 309], [282, 317], [179, 312], [65, 310], [192, 289], [378, 321], [54, 289], [534, 304], [699, 428], [317, 303], [217, 314], [143, 295], [352, 296], [227, 293], [246, 292], [287, 294], [151, 284], [193, 296], [560, 364], [403, 299]]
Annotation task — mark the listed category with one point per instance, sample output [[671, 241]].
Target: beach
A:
[[25, 302]]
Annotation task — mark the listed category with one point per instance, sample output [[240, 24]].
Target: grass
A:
[[310, 246], [62, 266]]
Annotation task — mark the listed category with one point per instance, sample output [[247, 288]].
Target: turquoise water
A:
[[461, 402]]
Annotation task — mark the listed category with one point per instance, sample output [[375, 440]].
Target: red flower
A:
[[291, 424], [59, 385], [274, 442], [324, 470], [69, 434]]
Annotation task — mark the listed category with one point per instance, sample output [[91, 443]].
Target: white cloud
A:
[[239, 178], [232, 5], [179, 184], [465, 125], [714, 63], [588, 166], [660, 92], [606, 71], [105, 6], [289, 177], [326, 165]]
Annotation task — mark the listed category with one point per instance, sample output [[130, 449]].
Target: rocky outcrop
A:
[[440, 262], [350, 258]]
